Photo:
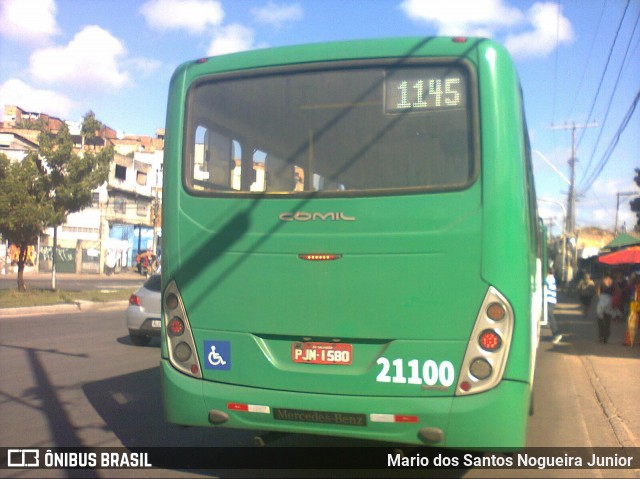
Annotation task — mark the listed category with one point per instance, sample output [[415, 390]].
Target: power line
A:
[[586, 66], [610, 102], [612, 145], [606, 66]]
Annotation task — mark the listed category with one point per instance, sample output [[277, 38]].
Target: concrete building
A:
[[124, 217]]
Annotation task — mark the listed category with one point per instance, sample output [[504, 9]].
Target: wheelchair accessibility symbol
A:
[[218, 355]]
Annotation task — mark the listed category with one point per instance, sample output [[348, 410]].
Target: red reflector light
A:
[[402, 418], [489, 340], [234, 406], [459, 39], [133, 299], [319, 257], [393, 418]]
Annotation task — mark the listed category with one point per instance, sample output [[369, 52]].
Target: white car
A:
[[143, 312]]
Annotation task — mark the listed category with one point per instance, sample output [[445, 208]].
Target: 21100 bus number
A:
[[430, 373]]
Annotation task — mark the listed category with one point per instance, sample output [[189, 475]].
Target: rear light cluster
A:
[[488, 347], [134, 300], [180, 344]]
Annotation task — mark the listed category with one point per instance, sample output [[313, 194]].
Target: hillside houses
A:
[[124, 217]]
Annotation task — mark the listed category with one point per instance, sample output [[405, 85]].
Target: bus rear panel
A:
[[350, 243]]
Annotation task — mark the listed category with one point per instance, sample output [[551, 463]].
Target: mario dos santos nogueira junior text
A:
[[516, 460]]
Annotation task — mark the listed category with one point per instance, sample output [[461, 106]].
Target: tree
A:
[[635, 203], [90, 129], [25, 206], [43, 189], [70, 177]]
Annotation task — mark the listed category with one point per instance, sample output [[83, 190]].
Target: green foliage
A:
[[25, 204], [90, 128], [71, 177], [41, 190]]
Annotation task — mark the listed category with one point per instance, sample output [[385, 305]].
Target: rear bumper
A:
[[494, 420]]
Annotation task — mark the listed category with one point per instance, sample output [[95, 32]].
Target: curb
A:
[[75, 307], [624, 436]]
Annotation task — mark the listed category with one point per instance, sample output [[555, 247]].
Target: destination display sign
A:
[[425, 90]]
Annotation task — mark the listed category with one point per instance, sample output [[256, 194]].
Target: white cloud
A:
[[16, 92], [145, 66], [230, 39], [29, 21], [92, 59], [278, 14], [549, 29], [545, 26], [194, 16], [463, 17]]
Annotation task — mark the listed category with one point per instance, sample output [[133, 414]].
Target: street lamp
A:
[[564, 235], [569, 219]]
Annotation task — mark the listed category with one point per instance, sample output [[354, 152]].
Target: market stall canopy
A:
[[629, 255], [621, 241]]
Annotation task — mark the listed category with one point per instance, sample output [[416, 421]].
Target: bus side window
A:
[[280, 174], [212, 160], [219, 154], [200, 166]]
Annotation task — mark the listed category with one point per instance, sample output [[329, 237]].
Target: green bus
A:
[[350, 243]]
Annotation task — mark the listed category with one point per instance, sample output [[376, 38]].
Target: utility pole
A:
[[571, 197], [618, 195]]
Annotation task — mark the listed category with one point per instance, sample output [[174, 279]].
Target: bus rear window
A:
[[348, 131]]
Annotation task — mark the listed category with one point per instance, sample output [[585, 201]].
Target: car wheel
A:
[[139, 340]]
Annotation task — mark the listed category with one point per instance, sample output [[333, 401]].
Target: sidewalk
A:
[[129, 273], [75, 307], [71, 282], [613, 369]]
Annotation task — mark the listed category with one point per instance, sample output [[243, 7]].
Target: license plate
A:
[[155, 323], [322, 353]]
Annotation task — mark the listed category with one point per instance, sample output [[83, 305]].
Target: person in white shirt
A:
[[551, 298]]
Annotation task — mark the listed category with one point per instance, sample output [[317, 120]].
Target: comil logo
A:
[[315, 216], [23, 458]]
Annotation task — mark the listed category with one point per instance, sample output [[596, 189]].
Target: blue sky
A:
[[115, 57]]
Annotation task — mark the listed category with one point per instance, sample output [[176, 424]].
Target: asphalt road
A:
[[76, 380]]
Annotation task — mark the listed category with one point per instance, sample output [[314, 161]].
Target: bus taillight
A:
[[175, 327], [481, 368], [490, 340], [171, 301], [496, 312], [488, 347], [180, 344]]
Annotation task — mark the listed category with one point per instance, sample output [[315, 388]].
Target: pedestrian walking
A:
[[604, 307], [586, 291], [551, 297], [634, 311]]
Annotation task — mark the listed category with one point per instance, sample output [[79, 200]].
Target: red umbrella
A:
[[624, 256]]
